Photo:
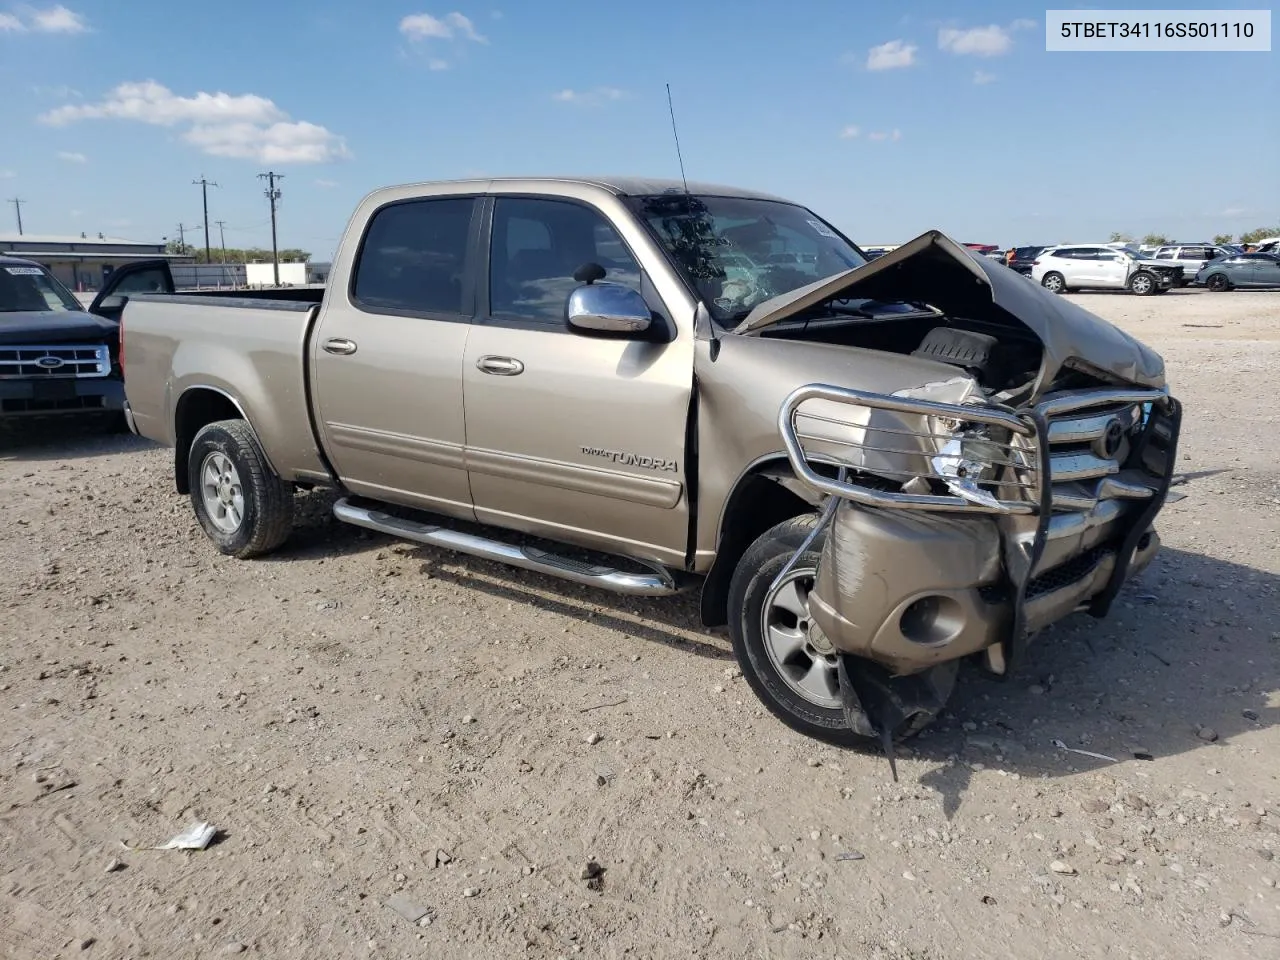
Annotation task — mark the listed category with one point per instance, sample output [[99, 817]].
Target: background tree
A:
[[1261, 233], [1221, 238], [237, 254], [1155, 239], [1118, 237]]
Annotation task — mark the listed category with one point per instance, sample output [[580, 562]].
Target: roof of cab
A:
[[619, 186], [17, 261]]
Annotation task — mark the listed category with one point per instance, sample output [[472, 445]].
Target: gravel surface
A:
[[407, 751]]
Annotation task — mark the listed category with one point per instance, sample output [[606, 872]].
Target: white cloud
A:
[[880, 135], [326, 184], [151, 102], [982, 78], [10, 24], [76, 214], [61, 92], [58, 20], [891, 55], [70, 157], [589, 98], [992, 40], [246, 127], [7, 174], [849, 132], [437, 64], [423, 26], [988, 41], [283, 142], [1235, 211]]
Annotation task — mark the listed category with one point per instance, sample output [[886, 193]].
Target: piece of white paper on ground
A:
[[195, 837]]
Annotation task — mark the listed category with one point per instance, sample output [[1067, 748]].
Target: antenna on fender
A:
[[676, 135]]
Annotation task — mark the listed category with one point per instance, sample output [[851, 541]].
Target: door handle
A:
[[340, 346], [500, 366]]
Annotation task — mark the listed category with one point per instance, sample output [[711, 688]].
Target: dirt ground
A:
[[361, 718]]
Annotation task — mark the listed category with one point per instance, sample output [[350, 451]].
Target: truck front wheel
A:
[[245, 509], [785, 658]]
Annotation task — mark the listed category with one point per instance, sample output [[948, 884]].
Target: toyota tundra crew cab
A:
[[871, 470]]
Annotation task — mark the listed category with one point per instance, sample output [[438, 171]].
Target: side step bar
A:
[[659, 583]]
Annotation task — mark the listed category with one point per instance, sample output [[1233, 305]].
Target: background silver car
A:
[[1244, 270], [1190, 256]]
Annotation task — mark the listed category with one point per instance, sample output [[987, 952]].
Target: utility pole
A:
[[273, 195], [222, 240], [17, 206], [182, 235], [204, 194]]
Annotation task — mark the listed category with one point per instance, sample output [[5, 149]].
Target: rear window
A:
[[25, 287], [413, 257]]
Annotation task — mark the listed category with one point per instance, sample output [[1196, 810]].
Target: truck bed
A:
[[252, 350]]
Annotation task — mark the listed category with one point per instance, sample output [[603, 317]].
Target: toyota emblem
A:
[[1112, 438], [50, 362]]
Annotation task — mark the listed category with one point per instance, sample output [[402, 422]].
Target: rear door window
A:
[[413, 259]]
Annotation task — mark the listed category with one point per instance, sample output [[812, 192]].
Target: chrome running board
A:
[[658, 583]]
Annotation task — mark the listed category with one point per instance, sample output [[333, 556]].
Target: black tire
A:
[[748, 588], [1054, 282], [266, 514], [1218, 283], [1144, 284]]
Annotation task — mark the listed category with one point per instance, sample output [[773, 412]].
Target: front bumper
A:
[[912, 591], [913, 579], [56, 397]]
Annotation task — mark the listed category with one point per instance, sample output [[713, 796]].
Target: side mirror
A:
[[607, 308]]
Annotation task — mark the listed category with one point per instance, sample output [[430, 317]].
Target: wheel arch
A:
[[767, 493], [198, 407]]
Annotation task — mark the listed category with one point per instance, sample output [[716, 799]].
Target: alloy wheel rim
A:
[[222, 492], [797, 648]]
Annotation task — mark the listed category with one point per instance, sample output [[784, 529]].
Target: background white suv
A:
[[1095, 266]]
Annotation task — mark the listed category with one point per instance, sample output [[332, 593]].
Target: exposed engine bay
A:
[[999, 358]]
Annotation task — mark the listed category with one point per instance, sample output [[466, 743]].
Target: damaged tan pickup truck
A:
[[871, 470]]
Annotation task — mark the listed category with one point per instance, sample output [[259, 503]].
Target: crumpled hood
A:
[[40, 327], [936, 270]]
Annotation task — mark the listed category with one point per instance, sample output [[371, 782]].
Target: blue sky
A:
[[889, 119]]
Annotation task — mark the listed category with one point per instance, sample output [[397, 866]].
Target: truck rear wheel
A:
[[244, 508]]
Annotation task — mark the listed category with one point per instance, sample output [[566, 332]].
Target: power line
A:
[[17, 207], [273, 195], [204, 186]]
